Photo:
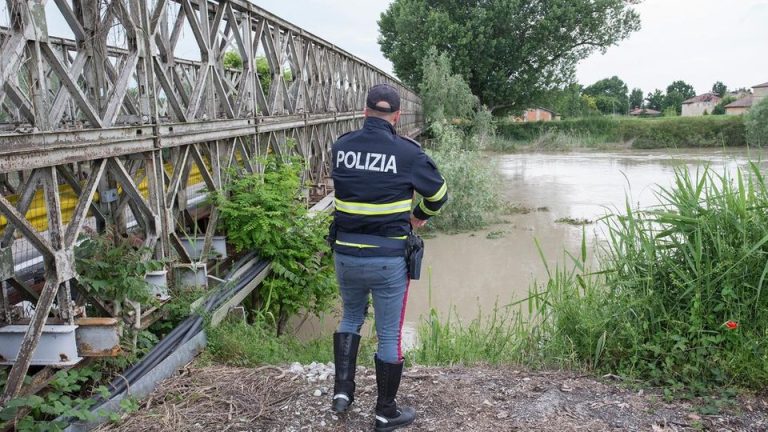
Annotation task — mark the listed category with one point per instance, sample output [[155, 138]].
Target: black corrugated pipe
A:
[[186, 330]]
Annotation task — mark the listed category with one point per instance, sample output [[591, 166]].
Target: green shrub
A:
[[473, 182], [263, 212], [756, 122], [707, 131], [445, 95], [112, 267], [70, 394], [232, 60]]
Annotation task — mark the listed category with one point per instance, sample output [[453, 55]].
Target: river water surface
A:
[[470, 273]]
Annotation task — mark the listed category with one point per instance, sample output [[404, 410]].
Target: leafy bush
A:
[[68, 396], [756, 122], [232, 60], [473, 182], [263, 212], [642, 133], [112, 267]]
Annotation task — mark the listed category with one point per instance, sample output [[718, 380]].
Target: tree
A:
[[677, 92], [611, 95], [636, 98], [444, 95], [673, 101], [655, 100], [509, 51], [569, 101], [686, 90], [719, 89], [264, 73], [719, 109], [756, 123], [232, 60]]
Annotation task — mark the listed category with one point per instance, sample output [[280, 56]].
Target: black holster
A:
[[332, 234], [414, 253]]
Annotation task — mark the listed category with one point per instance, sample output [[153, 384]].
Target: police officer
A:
[[375, 174]]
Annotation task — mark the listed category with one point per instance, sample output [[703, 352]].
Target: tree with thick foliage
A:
[[655, 100], [686, 90], [636, 98], [677, 92], [569, 101], [719, 88], [611, 95], [509, 51]]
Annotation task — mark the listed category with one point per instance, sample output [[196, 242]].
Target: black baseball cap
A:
[[383, 93]]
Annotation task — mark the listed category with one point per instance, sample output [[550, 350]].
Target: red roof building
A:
[[701, 104]]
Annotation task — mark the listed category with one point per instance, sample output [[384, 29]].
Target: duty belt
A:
[[367, 240]]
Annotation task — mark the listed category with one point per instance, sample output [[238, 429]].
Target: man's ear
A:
[[365, 112]]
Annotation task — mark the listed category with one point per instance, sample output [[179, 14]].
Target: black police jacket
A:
[[375, 173]]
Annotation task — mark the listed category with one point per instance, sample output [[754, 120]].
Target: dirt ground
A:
[[221, 398]]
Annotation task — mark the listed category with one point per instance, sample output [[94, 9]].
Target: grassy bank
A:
[[679, 300], [591, 132]]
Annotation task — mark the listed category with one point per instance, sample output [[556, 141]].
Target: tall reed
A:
[[680, 297]]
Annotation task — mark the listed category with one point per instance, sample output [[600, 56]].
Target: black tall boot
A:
[[345, 347], [388, 415]]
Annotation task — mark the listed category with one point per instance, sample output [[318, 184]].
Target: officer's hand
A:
[[416, 222]]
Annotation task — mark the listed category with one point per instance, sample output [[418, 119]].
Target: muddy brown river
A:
[[471, 273]]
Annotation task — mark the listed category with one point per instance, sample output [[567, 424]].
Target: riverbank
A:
[[623, 132], [704, 375], [282, 398]]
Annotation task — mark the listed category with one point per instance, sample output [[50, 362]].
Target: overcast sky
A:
[[699, 41]]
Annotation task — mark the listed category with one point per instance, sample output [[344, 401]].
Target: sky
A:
[[698, 41]]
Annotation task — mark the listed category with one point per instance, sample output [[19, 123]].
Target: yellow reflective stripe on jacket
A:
[[373, 209], [357, 245], [440, 193], [426, 210]]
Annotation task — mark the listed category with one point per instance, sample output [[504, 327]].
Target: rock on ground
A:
[[295, 398]]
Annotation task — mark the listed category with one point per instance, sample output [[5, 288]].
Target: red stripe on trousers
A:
[[402, 320]]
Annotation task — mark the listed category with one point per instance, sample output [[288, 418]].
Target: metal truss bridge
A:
[[131, 112]]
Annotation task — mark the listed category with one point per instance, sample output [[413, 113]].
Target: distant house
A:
[[700, 104], [740, 106], [537, 114], [759, 92], [644, 112]]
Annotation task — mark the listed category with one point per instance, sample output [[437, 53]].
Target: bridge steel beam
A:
[[134, 127]]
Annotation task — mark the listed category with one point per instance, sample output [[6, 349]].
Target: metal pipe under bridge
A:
[[109, 126]]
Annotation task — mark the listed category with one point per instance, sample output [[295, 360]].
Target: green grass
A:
[[248, 345], [656, 309], [604, 132], [492, 339]]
